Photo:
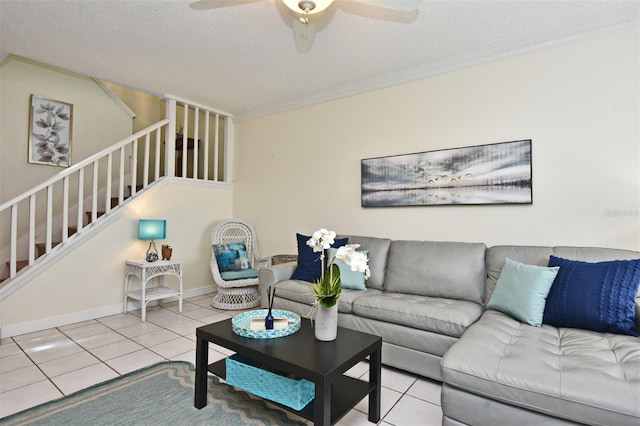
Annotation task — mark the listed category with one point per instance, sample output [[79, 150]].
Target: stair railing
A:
[[97, 170], [58, 208]]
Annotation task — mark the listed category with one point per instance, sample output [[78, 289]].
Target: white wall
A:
[[89, 282], [579, 103]]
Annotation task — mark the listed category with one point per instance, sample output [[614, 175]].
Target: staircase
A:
[[61, 212]]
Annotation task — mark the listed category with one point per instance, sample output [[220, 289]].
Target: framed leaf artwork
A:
[[50, 125]]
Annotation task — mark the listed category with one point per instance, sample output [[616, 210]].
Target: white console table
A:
[[146, 271]]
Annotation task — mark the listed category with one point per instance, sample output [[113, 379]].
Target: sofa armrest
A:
[[273, 275]]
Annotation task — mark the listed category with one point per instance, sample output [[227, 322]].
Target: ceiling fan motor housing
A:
[[307, 7]]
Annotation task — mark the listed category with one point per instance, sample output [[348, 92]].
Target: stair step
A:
[[20, 264], [41, 248], [89, 215]]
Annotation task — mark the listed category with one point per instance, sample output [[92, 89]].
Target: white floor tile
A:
[[397, 380], [21, 377], [14, 362], [118, 321], [426, 389], [87, 330], [173, 347], [134, 361], [138, 329], [76, 325], [413, 411], [83, 378], [116, 349], [27, 396], [200, 313], [184, 328], [155, 337], [97, 340], [215, 317], [69, 363], [49, 351], [9, 348]]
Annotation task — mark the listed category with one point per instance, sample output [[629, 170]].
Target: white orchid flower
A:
[[321, 240], [357, 260]]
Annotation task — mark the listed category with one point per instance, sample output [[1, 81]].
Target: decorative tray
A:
[[241, 324]]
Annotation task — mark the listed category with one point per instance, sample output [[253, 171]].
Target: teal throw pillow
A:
[[232, 257], [352, 280], [521, 291]]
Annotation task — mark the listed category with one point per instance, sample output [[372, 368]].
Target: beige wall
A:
[[579, 103], [97, 121], [90, 279]]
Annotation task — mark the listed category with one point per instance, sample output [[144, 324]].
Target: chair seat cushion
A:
[[579, 375], [239, 275]]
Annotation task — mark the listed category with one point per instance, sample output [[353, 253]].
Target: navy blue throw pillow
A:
[[309, 267], [594, 296]]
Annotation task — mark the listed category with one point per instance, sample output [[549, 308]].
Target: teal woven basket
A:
[[243, 373]]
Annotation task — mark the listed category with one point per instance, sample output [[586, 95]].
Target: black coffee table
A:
[[301, 355]]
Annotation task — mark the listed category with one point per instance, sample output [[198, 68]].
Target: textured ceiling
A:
[[242, 59]]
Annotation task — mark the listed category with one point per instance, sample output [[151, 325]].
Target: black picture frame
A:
[[498, 173]]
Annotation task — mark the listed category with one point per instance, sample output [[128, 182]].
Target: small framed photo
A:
[[50, 124]]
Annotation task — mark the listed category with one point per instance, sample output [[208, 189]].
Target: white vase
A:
[[326, 323]]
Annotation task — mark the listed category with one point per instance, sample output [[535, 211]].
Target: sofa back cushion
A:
[[378, 249], [451, 270], [539, 255]]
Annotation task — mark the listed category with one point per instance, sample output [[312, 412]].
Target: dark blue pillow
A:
[[594, 296], [309, 267]]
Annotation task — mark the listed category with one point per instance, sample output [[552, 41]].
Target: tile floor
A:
[[45, 365]]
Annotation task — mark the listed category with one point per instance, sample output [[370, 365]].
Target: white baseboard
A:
[[66, 319]]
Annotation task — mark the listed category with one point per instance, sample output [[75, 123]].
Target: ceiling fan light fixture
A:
[[307, 7]]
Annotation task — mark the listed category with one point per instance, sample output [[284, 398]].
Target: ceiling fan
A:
[[305, 13]]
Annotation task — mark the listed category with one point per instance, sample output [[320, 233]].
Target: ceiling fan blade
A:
[[216, 4], [406, 5], [304, 34]]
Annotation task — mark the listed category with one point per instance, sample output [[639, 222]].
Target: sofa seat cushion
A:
[[435, 314], [579, 375], [301, 291]]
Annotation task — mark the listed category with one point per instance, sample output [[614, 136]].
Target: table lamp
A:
[[151, 229]]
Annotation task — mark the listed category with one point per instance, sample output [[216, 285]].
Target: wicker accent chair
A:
[[237, 293]]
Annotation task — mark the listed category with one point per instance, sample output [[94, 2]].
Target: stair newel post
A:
[[169, 137]]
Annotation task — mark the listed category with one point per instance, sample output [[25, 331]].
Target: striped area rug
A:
[[158, 395]]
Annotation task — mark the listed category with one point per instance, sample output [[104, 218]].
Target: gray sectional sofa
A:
[[428, 302]]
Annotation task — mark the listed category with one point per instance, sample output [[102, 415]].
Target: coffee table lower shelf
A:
[[346, 393]]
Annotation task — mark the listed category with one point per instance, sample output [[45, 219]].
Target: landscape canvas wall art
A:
[[497, 173]]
